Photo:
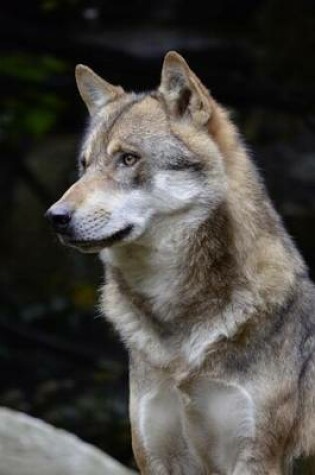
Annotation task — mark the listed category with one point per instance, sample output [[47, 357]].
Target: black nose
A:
[[60, 217]]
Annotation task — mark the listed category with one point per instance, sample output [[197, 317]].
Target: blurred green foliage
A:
[[32, 111]]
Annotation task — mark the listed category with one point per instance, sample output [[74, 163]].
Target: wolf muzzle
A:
[[60, 216]]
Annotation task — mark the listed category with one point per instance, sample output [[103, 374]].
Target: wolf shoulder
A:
[[304, 315]]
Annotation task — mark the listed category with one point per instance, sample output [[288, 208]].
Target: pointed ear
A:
[[183, 92], [94, 90]]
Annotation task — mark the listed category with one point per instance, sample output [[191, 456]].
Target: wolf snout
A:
[[59, 216]]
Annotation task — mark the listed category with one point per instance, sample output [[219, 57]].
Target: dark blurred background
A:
[[59, 360]]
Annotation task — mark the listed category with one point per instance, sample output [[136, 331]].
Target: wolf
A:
[[203, 283]]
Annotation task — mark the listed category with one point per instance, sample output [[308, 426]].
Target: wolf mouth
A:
[[106, 242]]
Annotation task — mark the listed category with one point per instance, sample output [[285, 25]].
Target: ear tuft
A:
[[174, 57], [94, 90], [183, 92], [174, 73]]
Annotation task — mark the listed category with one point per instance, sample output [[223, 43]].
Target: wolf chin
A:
[[203, 283]]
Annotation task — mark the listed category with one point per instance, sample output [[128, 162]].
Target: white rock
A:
[[29, 446]]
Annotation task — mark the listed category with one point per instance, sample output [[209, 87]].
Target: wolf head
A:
[[145, 159]]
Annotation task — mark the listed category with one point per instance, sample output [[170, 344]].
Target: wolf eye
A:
[[129, 159], [83, 163]]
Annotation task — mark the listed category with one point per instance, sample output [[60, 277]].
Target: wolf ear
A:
[[183, 91], [94, 90]]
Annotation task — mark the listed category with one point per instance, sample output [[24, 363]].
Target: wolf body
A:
[[203, 283]]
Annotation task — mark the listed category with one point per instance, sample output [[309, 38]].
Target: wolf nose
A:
[[60, 217]]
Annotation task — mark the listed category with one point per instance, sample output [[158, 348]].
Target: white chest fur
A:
[[196, 430]]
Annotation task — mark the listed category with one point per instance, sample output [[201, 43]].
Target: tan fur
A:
[[206, 289]]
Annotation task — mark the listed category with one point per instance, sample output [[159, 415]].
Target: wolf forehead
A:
[[135, 120], [139, 123]]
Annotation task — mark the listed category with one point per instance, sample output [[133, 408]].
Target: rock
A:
[[29, 446]]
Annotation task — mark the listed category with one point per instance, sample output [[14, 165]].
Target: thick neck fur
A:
[[214, 273], [186, 261]]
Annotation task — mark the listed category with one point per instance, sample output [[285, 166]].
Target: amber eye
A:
[[129, 159]]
